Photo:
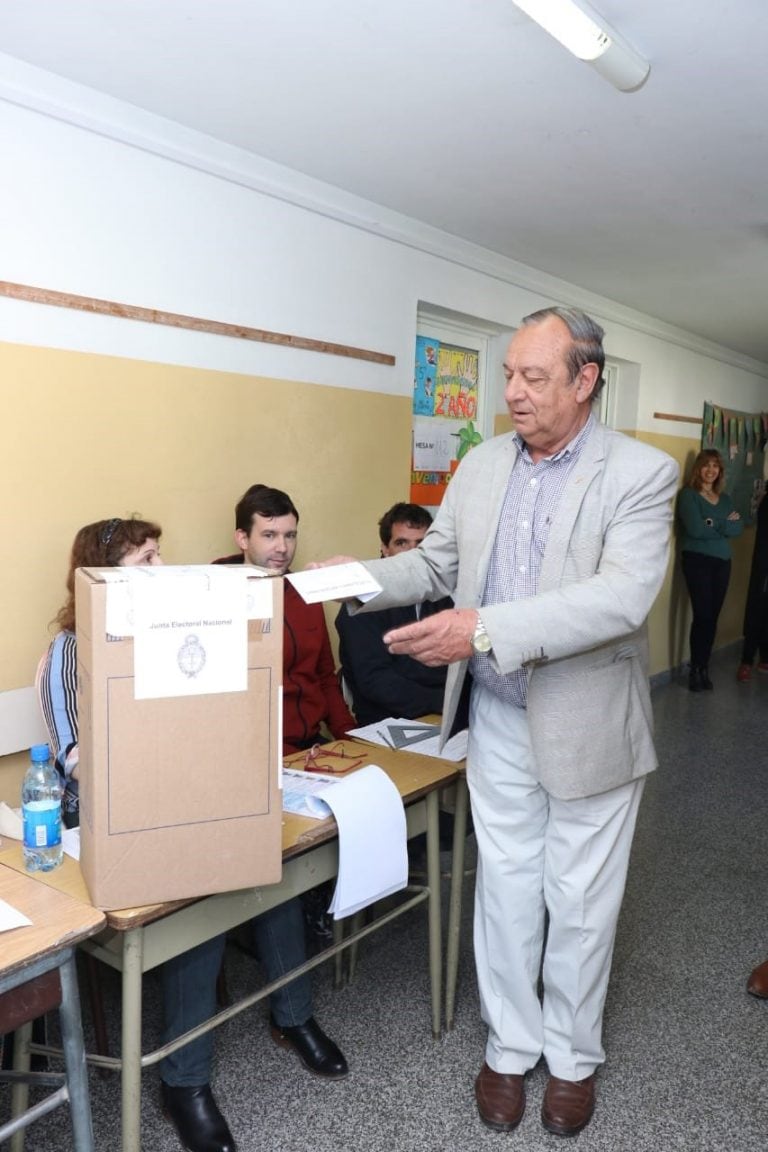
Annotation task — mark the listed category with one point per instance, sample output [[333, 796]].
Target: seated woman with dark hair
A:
[[105, 544], [189, 980]]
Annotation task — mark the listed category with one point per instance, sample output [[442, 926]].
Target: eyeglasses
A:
[[109, 530], [312, 760]]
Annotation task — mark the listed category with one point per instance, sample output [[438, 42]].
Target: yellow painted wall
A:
[[87, 437]]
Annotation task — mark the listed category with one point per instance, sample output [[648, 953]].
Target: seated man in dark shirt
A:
[[383, 685]]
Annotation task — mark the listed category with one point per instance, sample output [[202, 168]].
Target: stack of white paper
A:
[[373, 851], [373, 854]]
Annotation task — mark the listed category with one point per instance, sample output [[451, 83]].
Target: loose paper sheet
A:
[[373, 854], [423, 739], [396, 733], [339, 582], [10, 917]]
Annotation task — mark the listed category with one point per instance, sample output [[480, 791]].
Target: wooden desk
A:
[[59, 922], [138, 939]]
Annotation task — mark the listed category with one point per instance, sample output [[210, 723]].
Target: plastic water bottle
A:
[[41, 812]]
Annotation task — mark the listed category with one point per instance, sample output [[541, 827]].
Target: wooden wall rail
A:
[[682, 419], [176, 320]]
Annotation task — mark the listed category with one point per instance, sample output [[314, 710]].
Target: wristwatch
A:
[[480, 640]]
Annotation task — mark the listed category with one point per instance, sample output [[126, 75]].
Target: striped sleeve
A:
[[58, 694]]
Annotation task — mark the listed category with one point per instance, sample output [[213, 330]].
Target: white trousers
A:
[[535, 852]]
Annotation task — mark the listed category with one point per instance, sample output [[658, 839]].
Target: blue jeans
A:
[[189, 990]]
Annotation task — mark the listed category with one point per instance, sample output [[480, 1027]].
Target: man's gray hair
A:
[[587, 336]]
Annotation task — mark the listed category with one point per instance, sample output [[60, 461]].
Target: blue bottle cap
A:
[[39, 753]]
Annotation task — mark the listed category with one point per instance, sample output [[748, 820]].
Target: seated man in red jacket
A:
[[266, 530]]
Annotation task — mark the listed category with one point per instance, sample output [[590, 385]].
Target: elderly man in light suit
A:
[[553, 542]]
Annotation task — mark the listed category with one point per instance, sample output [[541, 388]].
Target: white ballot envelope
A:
[[338, 582]]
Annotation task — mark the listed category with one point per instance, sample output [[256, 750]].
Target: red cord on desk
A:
[[312, 764]]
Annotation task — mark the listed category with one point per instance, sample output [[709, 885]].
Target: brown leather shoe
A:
[[500, 1099], [568, 1105], [757, 984]]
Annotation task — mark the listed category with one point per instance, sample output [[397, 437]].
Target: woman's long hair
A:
[[704, 457], [102, 545]]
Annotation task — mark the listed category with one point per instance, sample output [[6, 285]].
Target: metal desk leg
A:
[[338, 961], [433, 881], [133, 957], [358, 920], [454, 908], [74, 1057], [22, 1038]]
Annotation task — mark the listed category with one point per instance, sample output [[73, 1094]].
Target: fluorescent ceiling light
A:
[[579, 29]]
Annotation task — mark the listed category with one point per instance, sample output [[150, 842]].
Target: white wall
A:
[[258, 245]]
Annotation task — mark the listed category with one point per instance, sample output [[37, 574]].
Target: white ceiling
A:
[[465, 115]]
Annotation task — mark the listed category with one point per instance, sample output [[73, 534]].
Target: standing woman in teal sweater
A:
[[707, 521]]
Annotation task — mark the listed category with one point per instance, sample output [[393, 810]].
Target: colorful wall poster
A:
[[445, 380], [445, 392], [424, 376], [740, 438]]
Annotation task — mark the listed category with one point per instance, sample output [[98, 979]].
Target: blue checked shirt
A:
[[531, 501]]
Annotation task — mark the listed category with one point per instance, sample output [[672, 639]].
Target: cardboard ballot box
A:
[[179, 794]]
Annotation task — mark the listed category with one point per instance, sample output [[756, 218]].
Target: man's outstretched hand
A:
[[436, 640]]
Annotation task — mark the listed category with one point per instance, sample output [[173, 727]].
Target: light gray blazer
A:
[[582, 638]]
